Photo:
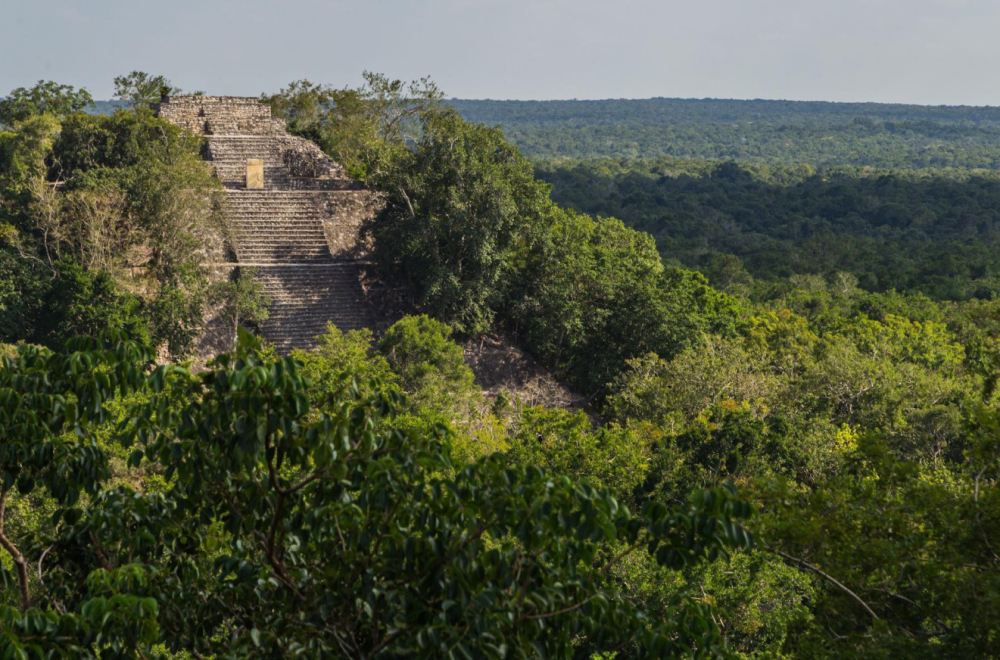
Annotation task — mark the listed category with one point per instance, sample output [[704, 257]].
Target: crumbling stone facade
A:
[[298, 226], [220, 115]]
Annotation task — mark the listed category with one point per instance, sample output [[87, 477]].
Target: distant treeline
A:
[[702, 111], [819, 133], [104, 107], [100, 107], [767, 132]]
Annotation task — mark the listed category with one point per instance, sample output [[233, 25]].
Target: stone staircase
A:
[[299, 232], [276, 226], [305, 297]]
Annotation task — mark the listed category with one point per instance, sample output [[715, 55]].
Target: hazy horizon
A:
[[648, 98], [722, 98], [925, 52]]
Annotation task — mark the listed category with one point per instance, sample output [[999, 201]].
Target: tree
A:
[[280, 530], [83, 302], [565, 443], [45, 98], [48, 404], [652, 389], [456, 206], [126, 197], [343, 361], [364, 128], [591, 294], [242, 300], [26, 202], [430, 366], [903, 554], [140, 89], [24, 156]]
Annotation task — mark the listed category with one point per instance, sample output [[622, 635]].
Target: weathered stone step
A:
[[289, 162], [278, 194], [305, 298], [251, 235], [281, 234], [303, 211], [268, 248], [277, 258], [294, 226]]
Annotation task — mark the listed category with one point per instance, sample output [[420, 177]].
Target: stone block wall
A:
[[220, 115], [342, 217]]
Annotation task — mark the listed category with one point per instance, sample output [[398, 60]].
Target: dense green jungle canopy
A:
[[763, 132], [921, 231], [793, 457]]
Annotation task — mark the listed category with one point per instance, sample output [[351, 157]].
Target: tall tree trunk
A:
[[20, 563]]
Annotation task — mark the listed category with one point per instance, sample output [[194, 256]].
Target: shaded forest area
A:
[[935, 233]]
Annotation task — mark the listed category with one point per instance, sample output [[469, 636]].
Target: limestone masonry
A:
[[295, 215]]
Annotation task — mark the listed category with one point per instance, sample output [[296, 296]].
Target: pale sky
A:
[[908, 51]]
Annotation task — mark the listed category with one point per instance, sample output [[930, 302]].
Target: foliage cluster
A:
[[103, 219], [911, 231], [267, 517]]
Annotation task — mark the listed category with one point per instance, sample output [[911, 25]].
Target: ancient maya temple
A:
[[294, 213]]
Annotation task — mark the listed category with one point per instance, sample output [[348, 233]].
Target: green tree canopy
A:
[[277, 529], [457, 204], [139, 89], [46, 97], [126, 197], [364, 128]]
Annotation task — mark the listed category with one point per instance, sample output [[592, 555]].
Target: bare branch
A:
[[829, 578], [19, 561]]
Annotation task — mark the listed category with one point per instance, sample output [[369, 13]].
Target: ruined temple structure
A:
[[294, 213]]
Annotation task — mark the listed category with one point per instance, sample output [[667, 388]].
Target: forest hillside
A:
[[790, 446]]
